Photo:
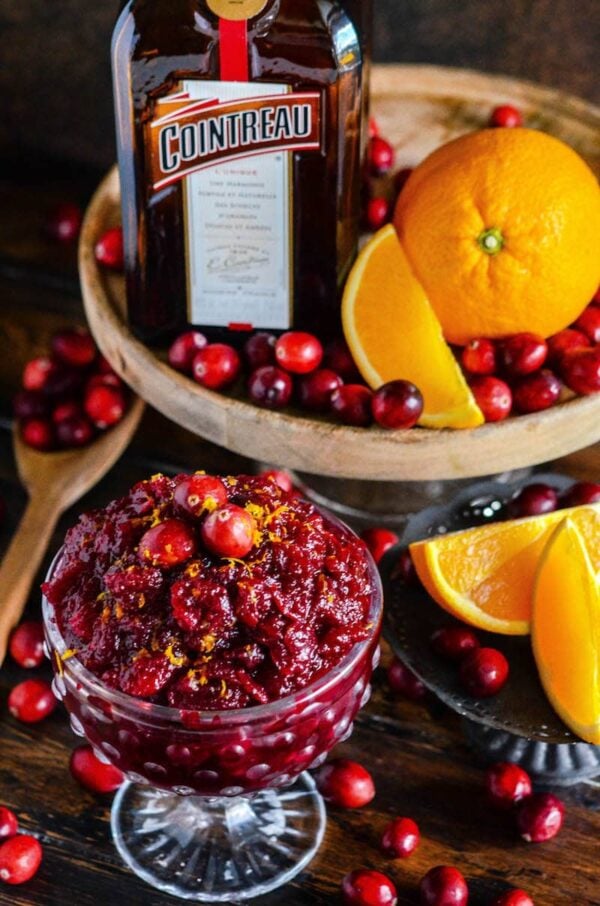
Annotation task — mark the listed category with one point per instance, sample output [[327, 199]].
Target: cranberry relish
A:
[[208, 632]]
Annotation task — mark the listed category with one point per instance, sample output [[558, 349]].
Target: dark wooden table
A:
[[421, 764]]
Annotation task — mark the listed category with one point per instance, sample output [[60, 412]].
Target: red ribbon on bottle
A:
[[233, 50]]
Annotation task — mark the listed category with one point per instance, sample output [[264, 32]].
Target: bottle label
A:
[[236, 10], [232, 143]]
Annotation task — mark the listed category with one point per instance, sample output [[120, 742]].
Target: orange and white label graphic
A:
[[236, 10]]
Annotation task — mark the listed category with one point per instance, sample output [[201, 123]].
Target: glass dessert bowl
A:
[[217, 805]]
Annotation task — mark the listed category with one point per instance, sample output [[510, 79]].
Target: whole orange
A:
[[502, 229]]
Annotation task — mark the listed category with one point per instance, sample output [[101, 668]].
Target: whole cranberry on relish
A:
[[190, 629]]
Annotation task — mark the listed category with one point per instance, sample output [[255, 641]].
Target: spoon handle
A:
[[23, 560]]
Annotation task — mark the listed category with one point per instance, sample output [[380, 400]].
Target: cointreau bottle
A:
[[239, 129]]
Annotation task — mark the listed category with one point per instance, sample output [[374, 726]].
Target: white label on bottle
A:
[[238, 223]]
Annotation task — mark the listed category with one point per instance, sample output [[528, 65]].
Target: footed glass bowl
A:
[[217, 806]]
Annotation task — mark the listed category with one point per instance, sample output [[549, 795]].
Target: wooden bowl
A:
[[418, 108]]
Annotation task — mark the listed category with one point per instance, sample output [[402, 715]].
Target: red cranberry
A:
[[514, 898], [484, 672], [20, 858], [444, 886], [229, 532], [270, 387], [27, 644], [523, 354], [199, 494], [103, 366], [104, 405], [74, 347], [540, 817], [538, 391], [63, 412], [37, 371], [454, 642], [64, 222], [29, 404], [381, 156], [38, 434], [183, 350], [345, 784], [534, 500], [379, 541], [9, 825], [64, 382], [109, 379], [563, 342], [400, 838], [92, 773], [589, 323], [581, 370], [398, 404], [31, 701], [404, 682], [282, 479], [314, 390], [373, 127], [74, 432], [479, 357], [506, 116], [216, 366], [298, 352], [401, 178], [377, 214], [368, 888], [109, 250], [168, 544], [352, 405], [259, 349], [581, 494], [493, 396], [507, 784], [338, 358]]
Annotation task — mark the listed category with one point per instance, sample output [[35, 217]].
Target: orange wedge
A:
[[394, 334], [566, 631], [485, 575]]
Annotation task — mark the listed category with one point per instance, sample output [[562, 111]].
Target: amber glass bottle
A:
[[239, 126]]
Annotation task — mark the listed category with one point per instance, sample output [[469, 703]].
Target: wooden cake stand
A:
[[362, 472]]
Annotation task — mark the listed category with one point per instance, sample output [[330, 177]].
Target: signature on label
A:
[[245, 258]]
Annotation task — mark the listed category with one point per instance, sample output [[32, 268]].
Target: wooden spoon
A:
[[54, 482]]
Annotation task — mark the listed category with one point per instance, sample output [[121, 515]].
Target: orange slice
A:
[[485, 575], [566, 631], [394, 334]]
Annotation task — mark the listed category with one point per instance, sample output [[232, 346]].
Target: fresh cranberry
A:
[[270, 387], [31, 701], [199, 494], [29, 404], [168, 544], [38, 433], [74, 432], [282, 479], [479, 357], [368, 888], [27, 644], [216, 366], [381, 156], [259, 349], [444, 886], [345, 784], [352, 404], [37, 371], [64, 222], [103, 366], [523, 354], [493, 396], [400, 838], [373, 127], [379, 541], [20, 858], [581, 494], [404, 569], [514, 898], [377, 213], [404, 682], [9, 825], [533, 500], [589, 323], [64, 412], [401, 178], [581, 370], [398, 404], [109, 379], [104, 405], [338, 358], [109, 250], [538, 391], [540, 817], [314, 390], [563, 342], [454, 642], [64, 382], [484, 672], [507, 784], [92, 773], [506, 116], [183, 350], [229, 532], [74, 347], [298, 352]]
